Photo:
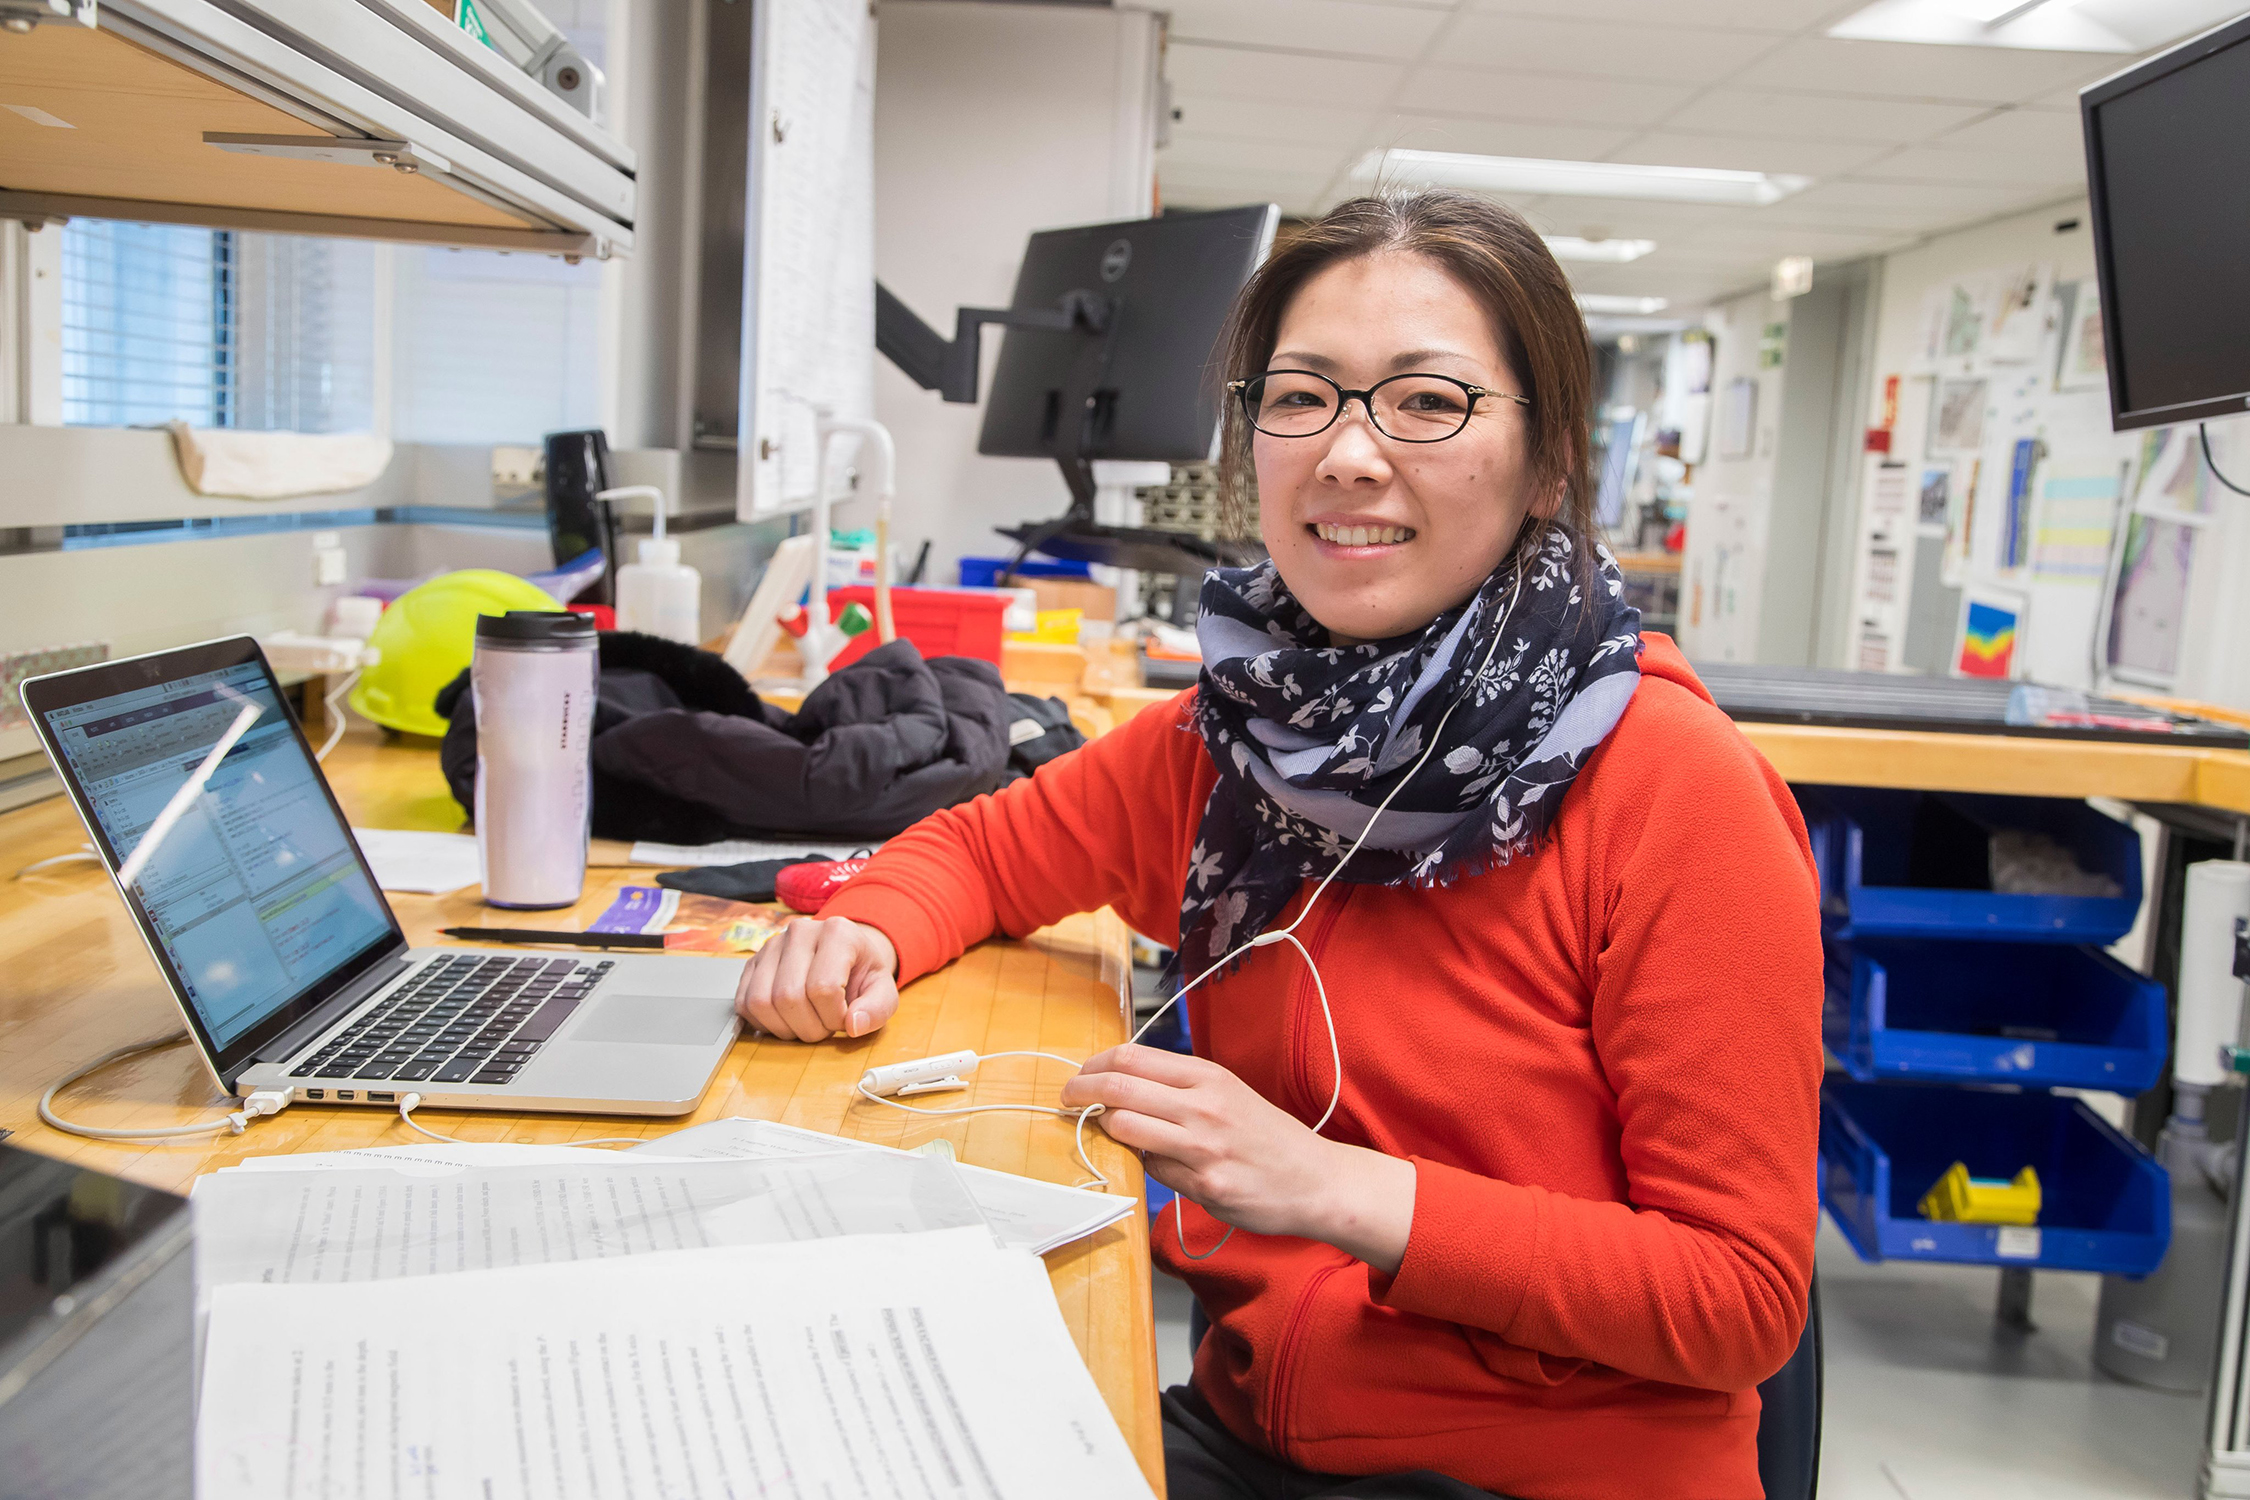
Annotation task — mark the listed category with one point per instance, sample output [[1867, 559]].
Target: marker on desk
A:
[[572, 939]]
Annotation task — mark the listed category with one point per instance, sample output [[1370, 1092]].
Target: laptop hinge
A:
[[338, 1005]]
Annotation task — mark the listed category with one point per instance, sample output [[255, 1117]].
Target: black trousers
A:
[[1204, 1461]]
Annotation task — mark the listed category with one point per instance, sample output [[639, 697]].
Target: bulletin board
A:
[[2080, 540]]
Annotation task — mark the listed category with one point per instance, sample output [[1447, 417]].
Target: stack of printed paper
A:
[[746, 1317], [926, 1364]]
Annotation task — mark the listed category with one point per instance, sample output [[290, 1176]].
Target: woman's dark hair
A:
[[1506, 266]]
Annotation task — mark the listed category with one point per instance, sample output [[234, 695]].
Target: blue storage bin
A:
[[984, 572], [1918, 864], [2106, 1205], [2040, 1014]]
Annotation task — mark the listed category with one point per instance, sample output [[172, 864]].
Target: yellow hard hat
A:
[[427, 637]]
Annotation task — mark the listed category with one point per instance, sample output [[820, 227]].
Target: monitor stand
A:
[[1076, 536]]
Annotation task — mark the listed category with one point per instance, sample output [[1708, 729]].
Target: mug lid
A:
[[548, 625]]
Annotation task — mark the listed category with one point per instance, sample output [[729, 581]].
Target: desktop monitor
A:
[[1141, 386], [2167, 155]]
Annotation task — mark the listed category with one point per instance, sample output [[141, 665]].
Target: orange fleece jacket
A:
[[1604, 1062]]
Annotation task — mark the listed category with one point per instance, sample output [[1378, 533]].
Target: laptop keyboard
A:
[[461, 1019]]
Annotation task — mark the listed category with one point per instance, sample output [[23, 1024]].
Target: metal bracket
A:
[[20, 16], [399, 156]]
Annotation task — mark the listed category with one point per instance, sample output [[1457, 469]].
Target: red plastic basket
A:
[[940, 622]]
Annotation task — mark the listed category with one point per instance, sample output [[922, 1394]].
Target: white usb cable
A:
[[263, 1102]]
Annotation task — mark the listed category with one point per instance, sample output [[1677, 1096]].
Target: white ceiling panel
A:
[[1814, 117], [1598, 49], [1344, 26], [1746, 153], [1620, 218], [1775, 16], [2022, 132], [1268, 120], [1945, 164], [1223, 154], [1497, 137], [1244, 73], [1900, 70], [1537, 97]]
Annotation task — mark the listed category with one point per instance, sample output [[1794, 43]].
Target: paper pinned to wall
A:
[[2078, 503]]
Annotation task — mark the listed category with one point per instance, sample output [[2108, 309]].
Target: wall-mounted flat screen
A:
[[2168, 171]]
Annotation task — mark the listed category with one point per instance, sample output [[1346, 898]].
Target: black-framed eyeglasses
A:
[[1412, 408]]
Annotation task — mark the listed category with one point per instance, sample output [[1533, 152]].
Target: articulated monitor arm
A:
[[949, 367]]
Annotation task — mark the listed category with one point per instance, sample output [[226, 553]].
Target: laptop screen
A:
[[257, 897]]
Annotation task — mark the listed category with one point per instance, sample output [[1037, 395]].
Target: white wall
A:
[[2059, 633], [991, 121], [1723, 569]]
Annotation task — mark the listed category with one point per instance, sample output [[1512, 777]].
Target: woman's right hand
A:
[[819, 976]]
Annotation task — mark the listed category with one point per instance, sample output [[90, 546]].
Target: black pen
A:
[[573, 939]]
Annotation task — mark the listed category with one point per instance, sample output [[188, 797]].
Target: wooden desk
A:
[[2017, 765], [79, 982]]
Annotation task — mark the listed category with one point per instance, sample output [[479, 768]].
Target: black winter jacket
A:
[[686, 753]]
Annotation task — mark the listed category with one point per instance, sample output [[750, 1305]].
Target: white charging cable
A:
[[334, 705], [263, 1102], [410, 1102], [1264, 939]]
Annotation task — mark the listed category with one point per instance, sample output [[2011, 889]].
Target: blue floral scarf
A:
[[1309, 738]]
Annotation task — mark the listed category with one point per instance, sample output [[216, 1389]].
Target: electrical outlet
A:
[[16, 666], [328, 559], [518, 468]]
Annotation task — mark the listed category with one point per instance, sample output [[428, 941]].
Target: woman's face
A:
[[1378, 537]]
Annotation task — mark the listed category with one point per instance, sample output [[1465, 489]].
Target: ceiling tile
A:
[[1222, 154], [2022, 132], [1998, 168], [1343, 26], [1598, 49], [1268, 120], [1902, 70], [1243, 73], [1778, 16], [1497, 137], [1531, 96], [1619, 218], [1811, 117], [1743, 153]]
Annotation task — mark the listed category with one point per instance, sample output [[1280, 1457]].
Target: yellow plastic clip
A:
[[1959, 1198]]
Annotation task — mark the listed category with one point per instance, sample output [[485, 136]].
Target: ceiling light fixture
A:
[[2035, 25], [1528, 176], [1605, 302], [1605, 251]]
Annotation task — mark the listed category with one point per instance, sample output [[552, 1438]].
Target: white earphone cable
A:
[[1285, 935]]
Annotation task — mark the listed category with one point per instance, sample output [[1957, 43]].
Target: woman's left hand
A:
[[1210, 1137]]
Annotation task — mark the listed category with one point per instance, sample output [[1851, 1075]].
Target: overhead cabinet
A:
[[372, 118]]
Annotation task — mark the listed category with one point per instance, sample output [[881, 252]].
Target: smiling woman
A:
[[1495, 1153], [1455, 319]]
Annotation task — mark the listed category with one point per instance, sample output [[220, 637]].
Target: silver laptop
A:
[[288, 963]]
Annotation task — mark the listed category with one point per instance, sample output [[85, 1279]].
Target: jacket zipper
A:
[[1304, 1001], [1281, 1392]]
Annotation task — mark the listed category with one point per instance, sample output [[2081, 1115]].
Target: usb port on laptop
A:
[[374, 1098]]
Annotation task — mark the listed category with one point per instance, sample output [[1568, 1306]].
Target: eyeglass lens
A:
[[1411, 408]]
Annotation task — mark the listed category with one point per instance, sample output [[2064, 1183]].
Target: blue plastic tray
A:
[[2040, 1014], [2107, 1205], [1917, 864]]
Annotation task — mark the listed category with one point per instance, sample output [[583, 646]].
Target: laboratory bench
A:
[[80, 982]]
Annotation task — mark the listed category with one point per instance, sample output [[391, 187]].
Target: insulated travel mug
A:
[[534, 677]]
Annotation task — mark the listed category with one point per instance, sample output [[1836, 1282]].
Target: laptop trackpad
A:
[[680, 1020]]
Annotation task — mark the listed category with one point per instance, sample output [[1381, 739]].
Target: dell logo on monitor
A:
[[1116, 258]]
